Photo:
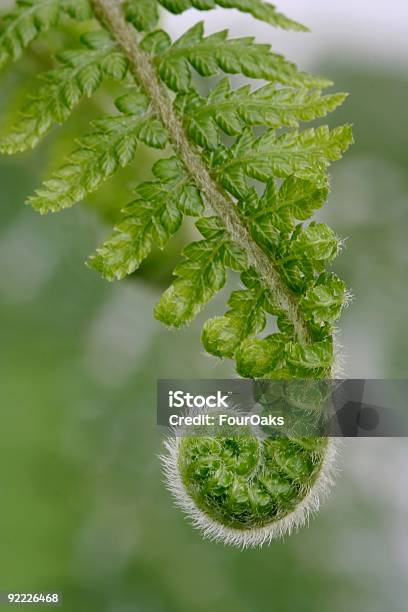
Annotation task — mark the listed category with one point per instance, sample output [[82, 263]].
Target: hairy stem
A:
[[110, 15]]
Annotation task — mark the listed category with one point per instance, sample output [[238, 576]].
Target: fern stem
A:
[[109, 13]]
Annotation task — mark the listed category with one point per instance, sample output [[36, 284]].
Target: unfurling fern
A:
[[221, 148]]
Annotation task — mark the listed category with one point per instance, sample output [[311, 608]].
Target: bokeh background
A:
[[83, 509]]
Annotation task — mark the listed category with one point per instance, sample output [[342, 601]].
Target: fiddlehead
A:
[[244, 491], [251, 489]]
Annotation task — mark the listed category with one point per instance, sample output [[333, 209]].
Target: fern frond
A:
[[246, 317], [233, 110], [321, 295], [33, 17], [144, 13], [323, 301], [273, 216], [305, 155], [265, 236], [215, 53], [201, 274], [151, 219], [260, 10], [81, 73], [101, 153], [263, 358], [276, 357], [314, 243]]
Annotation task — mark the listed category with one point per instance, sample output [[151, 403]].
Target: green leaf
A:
[[257, 8], [156, 42], [201, 274], [143, 14], [80, 10], [257, 358], [203, 131], [232, 110], [316, 242], [246, 317], [264, 12], [298, 199], [276, 356], [323, 302], [274, 214], [305, 155], [304, 358], [80, 74], [176, 6], [208, 56], [99, 155], [152, 218], [152, 132], [262, 122], [134, 102], [30, 18]]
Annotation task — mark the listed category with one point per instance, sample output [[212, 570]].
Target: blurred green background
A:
[[83, 509]]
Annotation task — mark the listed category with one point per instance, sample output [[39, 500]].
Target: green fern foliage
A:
[[201, 274], [31, 18], [255, 155], [239, 160], [112, 144], [303, 155], [81, 73], [152, 218], [246, 317], [231, 110], [144, 13], [217, 53]]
